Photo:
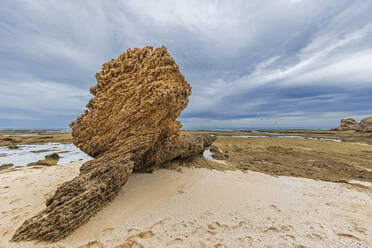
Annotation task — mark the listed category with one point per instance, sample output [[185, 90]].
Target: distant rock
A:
[[130, 125], [9, 139], [6, 166], [13, 147], [366, 123], [350, 124]]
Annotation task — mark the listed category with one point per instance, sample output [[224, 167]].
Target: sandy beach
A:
[[200, 208], [140, 124]]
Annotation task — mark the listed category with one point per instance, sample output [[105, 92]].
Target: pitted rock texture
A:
[[365, 125], [76, 201], [136, 102], [130, 125], [348, 124]]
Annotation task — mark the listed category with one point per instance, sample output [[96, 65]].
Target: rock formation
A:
[[49, 160], [6, 166], [365, 125], [348, 124], [130, 125]]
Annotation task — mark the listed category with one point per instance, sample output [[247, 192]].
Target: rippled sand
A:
[[200, 208]]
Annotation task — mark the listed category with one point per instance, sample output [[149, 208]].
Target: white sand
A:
[[200, 208]]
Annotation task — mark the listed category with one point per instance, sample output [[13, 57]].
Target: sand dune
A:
[[200, 208]]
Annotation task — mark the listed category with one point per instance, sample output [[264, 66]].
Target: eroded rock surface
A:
[[130, 125], [365, 125], [348, 124], [6, 166]]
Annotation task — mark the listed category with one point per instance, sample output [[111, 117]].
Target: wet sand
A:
[[200, 208]]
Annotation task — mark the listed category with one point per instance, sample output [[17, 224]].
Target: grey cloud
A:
[[250, 63]]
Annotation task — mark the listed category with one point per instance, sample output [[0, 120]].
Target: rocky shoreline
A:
[[365, 125]]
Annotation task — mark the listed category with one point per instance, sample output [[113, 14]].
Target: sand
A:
[[200, 208]]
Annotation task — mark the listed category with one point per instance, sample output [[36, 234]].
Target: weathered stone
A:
[[130, 125], [49, 160], [54, 156], [6, 166], [13, 147], [365, 125], [348, 124]]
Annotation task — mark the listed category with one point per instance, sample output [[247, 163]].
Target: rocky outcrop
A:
[[49, 160], [365, 125], [13, 147], [6, 166], [348, 124], [130, 125]]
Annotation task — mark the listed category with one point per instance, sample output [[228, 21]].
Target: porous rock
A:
[[365, 125], [130, 125], [348, 124]]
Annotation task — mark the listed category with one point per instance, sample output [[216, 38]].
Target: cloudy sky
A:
[[252, 64]]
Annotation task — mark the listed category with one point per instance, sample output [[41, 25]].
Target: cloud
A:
[[250, 63]]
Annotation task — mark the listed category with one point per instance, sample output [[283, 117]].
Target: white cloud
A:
[[19, 117], [44, 97], [241, 57]]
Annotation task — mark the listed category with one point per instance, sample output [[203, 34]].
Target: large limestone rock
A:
[[130, 125]]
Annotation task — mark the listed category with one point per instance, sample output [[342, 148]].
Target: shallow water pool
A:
[[32, 153]]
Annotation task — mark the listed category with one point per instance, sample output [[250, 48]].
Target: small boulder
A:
[[9, 139], [13, 147], [51, 159], [6, 166], [53, 156]]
